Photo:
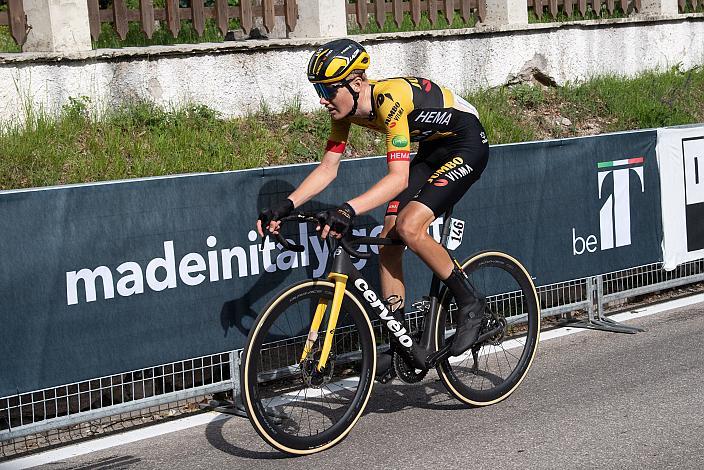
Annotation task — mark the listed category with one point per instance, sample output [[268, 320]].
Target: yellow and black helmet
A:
[[335, 60]]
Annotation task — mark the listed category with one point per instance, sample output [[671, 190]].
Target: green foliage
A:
[[162, 36], [528, 96], [649, 100], [501, 121], [7, 43], [688, 8], [590, 14], [407, 24], [141, 139]]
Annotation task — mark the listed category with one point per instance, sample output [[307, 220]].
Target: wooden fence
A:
[[380, 8], [119, 15], [570, 7], [15, 18], [598, 7], [172, 14]]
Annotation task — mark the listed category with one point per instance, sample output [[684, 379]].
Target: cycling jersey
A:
[[407, 109]]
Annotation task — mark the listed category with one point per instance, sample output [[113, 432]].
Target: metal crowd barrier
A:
[[27, 420]]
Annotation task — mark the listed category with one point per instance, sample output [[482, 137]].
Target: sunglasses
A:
[[327, 92]]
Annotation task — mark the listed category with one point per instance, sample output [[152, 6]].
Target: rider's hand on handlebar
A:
[[269, 218], [336, 221]]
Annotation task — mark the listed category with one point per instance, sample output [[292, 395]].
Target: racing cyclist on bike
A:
[[452, 154]]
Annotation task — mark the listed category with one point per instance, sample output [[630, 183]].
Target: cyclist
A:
[[452, 154]]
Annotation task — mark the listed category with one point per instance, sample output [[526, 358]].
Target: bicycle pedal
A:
[[387, 377], [438, 356]]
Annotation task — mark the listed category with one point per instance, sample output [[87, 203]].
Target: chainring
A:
[[407, 372]]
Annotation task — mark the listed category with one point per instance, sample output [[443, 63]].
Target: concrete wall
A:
[[235, 78]]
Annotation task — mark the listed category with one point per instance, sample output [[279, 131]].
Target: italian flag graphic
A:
[[628, 161]]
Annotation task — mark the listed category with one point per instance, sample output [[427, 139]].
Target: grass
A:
[[7, 43], [143, 140], [162, 36]]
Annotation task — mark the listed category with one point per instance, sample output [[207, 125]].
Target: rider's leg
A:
[[391, 256], [391, 259], [412, 226], [391, 276], [391, 262]]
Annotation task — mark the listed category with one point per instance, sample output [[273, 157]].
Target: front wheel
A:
[[295, 407], [492, 369]]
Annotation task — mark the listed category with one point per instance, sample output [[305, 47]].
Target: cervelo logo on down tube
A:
[[221, 263], [615, 212], [392, 324]]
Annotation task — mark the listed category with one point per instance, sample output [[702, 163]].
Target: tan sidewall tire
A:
[[443, 376], [245, 370]]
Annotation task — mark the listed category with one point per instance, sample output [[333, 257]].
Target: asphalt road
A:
[[591, 400]]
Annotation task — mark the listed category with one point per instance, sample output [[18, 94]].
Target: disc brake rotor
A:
[[309, 370]]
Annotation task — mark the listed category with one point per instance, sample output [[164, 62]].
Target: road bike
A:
[[310, 360]]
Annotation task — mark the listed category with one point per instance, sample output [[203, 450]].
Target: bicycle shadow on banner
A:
[[240, 313]]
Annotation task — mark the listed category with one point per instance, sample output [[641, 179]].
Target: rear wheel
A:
[[293, 406], [491, 370]]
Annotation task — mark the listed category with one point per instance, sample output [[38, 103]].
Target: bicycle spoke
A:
[[299, 403], [503, 360]]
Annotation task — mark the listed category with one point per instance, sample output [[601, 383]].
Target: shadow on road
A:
[[214, 435], [388, 398], [397, 396]]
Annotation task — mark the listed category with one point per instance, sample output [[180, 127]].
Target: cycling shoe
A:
[[469, 322]]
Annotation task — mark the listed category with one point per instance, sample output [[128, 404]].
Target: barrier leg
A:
[[597, 320], [236, 405]]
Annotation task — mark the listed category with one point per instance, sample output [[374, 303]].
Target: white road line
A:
[[111, 441], [205, 418]]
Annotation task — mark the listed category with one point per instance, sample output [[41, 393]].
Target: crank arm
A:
[[444, 352]]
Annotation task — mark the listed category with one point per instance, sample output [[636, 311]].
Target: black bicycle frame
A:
[[418, 351]]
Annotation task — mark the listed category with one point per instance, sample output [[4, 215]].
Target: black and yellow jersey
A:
[[407, 109]]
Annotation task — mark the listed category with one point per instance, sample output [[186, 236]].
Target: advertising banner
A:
[[99, 279], [680, 152], [569, 208]]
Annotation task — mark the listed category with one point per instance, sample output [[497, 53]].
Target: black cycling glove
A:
[[276, 212], [340, 219]]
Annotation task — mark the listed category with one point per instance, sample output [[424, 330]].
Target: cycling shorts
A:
[[443, 170]]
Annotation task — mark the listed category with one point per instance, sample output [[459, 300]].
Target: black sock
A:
[[460, 287]]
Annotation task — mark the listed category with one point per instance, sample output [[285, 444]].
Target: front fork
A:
[[340, 281]]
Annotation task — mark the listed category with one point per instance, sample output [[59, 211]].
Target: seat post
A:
[[446, 226], [435, 283]]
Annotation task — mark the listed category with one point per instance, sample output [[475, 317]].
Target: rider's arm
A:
[[384, 190], [318, 179], [398, 147], [324, 174]]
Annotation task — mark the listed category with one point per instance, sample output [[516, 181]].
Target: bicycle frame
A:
[[343, 271]]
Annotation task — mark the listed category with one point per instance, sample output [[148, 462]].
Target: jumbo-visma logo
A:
[[615, 212]]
